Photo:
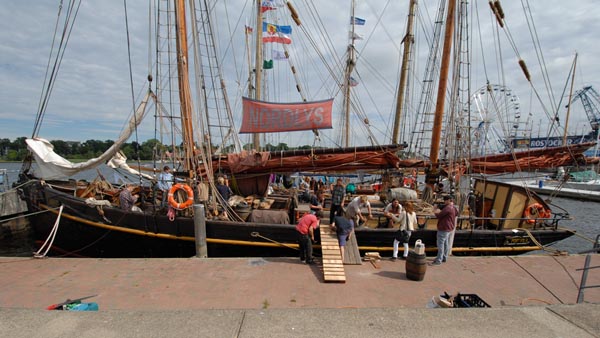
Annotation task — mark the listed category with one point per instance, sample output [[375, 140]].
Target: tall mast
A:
[[350, 63], [258, 65], [442, 85], [184, 88], [570, 100], [408, 41]]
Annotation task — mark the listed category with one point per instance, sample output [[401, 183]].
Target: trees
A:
[[75, 150]]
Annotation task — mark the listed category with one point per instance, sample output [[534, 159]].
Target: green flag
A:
[[268, 64]]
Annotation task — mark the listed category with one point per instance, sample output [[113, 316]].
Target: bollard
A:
[[200, 231]]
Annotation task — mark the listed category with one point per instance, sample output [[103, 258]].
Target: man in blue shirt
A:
[[165, 180]]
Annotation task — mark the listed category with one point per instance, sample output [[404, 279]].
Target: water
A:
[[584, 214]]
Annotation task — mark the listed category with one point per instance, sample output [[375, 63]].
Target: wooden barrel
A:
[[416, 265]]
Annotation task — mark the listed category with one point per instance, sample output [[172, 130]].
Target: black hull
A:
[[84, 232]]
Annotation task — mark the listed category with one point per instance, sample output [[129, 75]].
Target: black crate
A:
[[469, 300]]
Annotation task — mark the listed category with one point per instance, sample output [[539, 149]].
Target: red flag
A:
[[267, 6]]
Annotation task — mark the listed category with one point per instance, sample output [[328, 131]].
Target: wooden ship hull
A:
[[84, 231]]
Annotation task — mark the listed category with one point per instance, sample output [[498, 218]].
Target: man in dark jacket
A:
[[445, 225]]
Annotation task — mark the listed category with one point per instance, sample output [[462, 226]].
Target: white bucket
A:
[[432, 304], [419, 247], [438, 302]]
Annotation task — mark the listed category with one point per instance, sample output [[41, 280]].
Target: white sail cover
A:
[[119, 161], [53, 166]]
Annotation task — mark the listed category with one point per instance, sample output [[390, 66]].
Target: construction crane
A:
[[591, 102]]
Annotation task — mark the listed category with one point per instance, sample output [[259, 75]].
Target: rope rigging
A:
[[65, 33]]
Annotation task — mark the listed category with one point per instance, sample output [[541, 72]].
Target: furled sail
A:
[[53, 166]]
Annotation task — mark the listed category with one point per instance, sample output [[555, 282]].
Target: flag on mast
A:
[[278, 55], [357, 21], [276, 33]]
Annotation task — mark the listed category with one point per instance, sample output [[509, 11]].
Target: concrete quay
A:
[[530, 296]]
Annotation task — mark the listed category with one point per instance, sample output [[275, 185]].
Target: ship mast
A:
[[258, 65], [441, 95], [350, 63], [185, 98], [408, 41], [564, 143]]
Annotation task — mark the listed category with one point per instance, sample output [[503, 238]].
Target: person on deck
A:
[[445, 225], [165, 181], [126, 198], [317, 202], [225, 192], [353, 210], [223, 189], [343, 227], [304, 190], [306, 235], [338, 192], [393, 213]]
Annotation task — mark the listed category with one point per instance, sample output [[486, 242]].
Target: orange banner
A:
[[267, 117]]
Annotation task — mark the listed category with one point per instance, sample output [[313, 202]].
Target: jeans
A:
[[305, 247], [443, 245]]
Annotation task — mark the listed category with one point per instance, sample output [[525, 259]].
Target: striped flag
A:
[[276, 33]]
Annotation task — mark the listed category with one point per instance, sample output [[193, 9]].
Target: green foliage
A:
[[75, 150]]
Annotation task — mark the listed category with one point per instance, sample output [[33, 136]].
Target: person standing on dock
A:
[[445, 225], [338, 192], [408, 224], [306, 235]]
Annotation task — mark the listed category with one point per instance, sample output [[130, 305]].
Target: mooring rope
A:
[[256, 234], [51, 237]]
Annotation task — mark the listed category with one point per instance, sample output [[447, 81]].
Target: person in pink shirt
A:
[[306, 235]]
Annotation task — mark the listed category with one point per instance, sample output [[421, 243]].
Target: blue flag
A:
[[271, 28], [357, 21]]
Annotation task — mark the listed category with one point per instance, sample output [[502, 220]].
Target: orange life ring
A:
[[408, 182], [190, 193], [535, 211]]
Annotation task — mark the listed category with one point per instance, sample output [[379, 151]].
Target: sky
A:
[[93, 97]]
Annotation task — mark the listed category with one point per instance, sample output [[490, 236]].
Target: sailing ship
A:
[[83, 218]]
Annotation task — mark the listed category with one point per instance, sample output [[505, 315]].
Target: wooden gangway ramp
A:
[[333, 267], [352, 254]]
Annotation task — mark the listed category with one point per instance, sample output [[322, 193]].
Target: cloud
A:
[[93, 95]]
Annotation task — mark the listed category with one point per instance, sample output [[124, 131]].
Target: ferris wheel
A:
[[495, 119]]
